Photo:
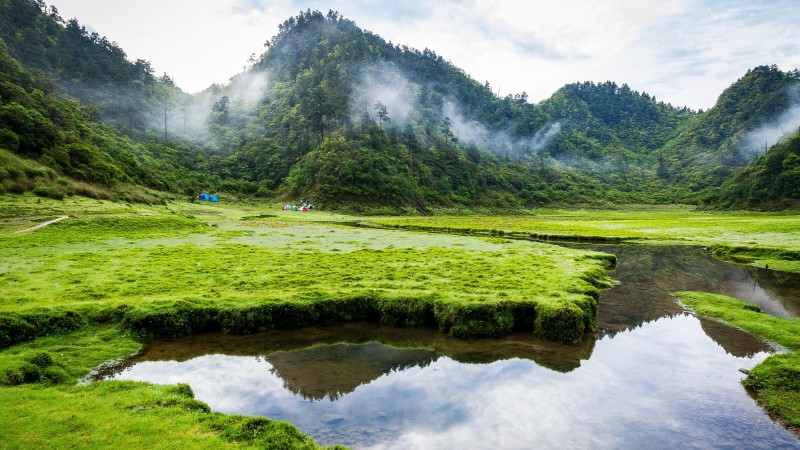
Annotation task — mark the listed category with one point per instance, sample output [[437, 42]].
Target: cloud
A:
[[757, 141], [384, 83], [682, 51]]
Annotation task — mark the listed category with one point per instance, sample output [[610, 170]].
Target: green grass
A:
[[153, 268], [776, 381], [131, 415], [43, 408], [757, 238], [91, 288]]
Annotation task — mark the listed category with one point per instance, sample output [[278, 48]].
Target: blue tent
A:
[[213, 198], [203, 196]]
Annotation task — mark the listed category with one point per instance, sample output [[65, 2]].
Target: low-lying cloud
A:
[[755, 142]]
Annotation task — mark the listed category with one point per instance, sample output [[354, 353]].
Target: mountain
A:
[[711, 147], [55, 146], [337, 115], [348, 117]]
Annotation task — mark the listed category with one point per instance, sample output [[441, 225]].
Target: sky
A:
[[684, 52]]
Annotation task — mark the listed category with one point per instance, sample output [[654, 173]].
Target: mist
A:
[[247, 90], [503, 143], [384, 83], [192, 116], [755, 142]]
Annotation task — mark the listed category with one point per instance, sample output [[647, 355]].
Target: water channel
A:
[[653, 376]]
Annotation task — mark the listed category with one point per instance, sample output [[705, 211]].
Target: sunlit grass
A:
[[760, 238], [229, 257]]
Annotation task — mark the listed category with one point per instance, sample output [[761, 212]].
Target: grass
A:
[[164, 271], [43, 408], [91, 288], [776, 381], [760, 239]]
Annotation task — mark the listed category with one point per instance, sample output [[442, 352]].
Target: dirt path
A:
[[42, 225]]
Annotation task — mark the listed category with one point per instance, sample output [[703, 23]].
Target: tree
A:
[[447, 130], [222, 107], [383, 115]]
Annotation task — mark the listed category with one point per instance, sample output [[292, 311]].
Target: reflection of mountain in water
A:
[[735, 341], [372, 350], [784, 287], [335, 370]]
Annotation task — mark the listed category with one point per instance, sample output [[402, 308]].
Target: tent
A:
[[208, 198]]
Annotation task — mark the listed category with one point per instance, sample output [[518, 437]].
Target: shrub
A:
[[12, 377], [55, 375], [41, 359], [13, 330], [31, 373]]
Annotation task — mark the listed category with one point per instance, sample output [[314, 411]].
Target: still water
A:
[[652, 377]]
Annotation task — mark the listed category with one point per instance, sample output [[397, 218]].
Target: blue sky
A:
[[682, 51]]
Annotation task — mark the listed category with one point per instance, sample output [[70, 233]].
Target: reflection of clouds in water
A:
[[231, 384], [658, 385], [664, 384]]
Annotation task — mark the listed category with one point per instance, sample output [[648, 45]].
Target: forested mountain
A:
[[748, 117], [55, 146], [337, 115], [83, 64], [349, 117]]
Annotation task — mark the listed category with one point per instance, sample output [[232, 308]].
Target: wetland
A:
[[263, 328]]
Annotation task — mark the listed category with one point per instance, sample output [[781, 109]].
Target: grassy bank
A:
[[45, 409], [776, 381], [168, 272], [760, 239]]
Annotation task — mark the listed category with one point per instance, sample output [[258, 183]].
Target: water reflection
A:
[[419, 344], [663, 384], [330, 371]]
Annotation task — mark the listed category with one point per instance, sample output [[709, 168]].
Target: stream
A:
[[652, 376]]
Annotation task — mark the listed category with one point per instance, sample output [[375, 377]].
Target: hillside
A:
[[337, 115], [770, 182], [711, 147]]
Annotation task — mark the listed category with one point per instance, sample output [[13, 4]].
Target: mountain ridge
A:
[[336, 114]]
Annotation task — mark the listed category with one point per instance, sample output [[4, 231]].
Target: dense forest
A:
[[337, 115]]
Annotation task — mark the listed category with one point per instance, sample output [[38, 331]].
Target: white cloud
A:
[[683, 51]]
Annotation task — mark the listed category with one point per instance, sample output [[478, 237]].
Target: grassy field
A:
[[91, 288], [776, 381], [760, 239]]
